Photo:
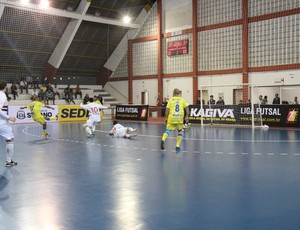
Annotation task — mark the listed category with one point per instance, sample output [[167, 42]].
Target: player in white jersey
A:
[[120, 131], [5, 128], [94, 115]]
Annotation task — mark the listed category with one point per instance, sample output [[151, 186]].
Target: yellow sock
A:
[[179, 138], [164, 137], [44, 131]]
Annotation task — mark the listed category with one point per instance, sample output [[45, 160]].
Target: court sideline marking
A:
[[145, 149]]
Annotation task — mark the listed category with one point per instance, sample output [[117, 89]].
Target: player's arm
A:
[[84, 106], [25, 107], [49, 107], [167, 114], [5, 115], [111, 132], [187, 112], [100, 106]]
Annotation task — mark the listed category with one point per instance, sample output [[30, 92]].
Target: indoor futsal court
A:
[[224, 178]]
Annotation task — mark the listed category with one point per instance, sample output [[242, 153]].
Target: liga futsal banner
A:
[[272, 115], [24, 115], [132, 112]]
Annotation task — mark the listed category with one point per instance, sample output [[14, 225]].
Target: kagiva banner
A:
[[272, 115], [24, 115]]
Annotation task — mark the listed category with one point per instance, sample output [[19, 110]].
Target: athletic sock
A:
[[9, 151], [179, 138], [88, 130], [164, 137]]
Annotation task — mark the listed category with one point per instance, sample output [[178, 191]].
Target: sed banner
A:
[[272, 115], [132, 112]]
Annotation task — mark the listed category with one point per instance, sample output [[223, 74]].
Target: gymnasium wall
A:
[[273, 45]]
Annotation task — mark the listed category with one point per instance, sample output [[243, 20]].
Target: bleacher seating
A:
[[24, 99]]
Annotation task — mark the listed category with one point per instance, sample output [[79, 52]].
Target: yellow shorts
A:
[[174, 126], [40, 120]]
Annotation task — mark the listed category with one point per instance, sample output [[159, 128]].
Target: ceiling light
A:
[[44, 3], [126, 19]]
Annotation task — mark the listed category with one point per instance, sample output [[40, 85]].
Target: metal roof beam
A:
[[62, 13]]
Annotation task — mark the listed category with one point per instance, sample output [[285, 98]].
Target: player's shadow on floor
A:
[[41, 141], [3, 183]]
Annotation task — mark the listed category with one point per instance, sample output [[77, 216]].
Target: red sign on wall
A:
[[178, 47]]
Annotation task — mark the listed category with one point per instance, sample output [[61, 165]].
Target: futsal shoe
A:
[[162, 145], [186, 126], [177, 149], [10, 164], [135, 130], [46, 135], [131, 136]]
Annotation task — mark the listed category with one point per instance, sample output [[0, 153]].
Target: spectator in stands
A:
[[23, 85], [6, 93], [14, 90], [34, 93], [220, 101], [296, 102], [67, 92], [211, 101], [42, 93], [101, 99], [86, 99], [265, 100], [260, 99], [50, 95], [29, 81], [72, 97], [199, 101], [69, 97], [78, 92], [36, 81], [163, 107], [276, 100]]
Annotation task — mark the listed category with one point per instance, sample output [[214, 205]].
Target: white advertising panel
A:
[[24, 115]]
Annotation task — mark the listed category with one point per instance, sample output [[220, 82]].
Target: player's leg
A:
[[179, 137], [130, 135], [169, 128], [94, 126], [88, 127], [51, 118], [10, 153], [93, 129], [42, 121], [7, 134], [131, 130]]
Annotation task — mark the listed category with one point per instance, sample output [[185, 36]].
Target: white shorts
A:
[[93, 121], [6, 132]]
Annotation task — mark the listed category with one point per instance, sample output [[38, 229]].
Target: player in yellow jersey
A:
[[174, 117], [35, 109]]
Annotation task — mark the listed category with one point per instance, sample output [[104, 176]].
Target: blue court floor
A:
[[224, 178]]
